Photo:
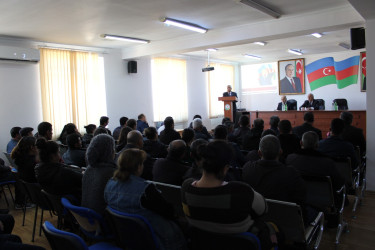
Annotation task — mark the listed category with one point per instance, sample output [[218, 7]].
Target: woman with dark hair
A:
[[100, 157], [128, 192], [53, 176], [122, 140], [68, 129], [86, 139], [214, 205]]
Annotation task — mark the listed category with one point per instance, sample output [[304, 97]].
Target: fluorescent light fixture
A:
[[261, 8], [317, 35], [344, 45], [212, 49], [124, 38], [253, 57], [184, 25], [260, 43], [296, 52]]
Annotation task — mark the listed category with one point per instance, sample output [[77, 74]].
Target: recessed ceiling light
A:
[[253, 57], [212, 49], [296, 52], [260, 43], [126, 39], [184, 25], [317, 35]]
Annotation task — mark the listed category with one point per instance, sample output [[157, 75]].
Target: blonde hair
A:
[[128, 163]]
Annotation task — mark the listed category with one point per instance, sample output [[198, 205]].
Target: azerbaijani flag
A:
[[326, 71]]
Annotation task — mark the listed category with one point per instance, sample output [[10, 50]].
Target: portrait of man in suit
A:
[[289, 81]]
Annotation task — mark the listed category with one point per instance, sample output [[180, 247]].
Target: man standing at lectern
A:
[[230, 93]]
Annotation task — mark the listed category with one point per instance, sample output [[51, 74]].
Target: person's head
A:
[[168, 123], [230, 126], [285, 127], [337, 126], [347, 117], [188, 135], [101, 149], [74, 141], [15, 133], [197, 116], [70, 128], [268, 132], [26, 131], [274, 121], [229, 88], [123, 121], [244, 121], [225, 119], [48, 151], [135, 138], [310, 97], [25, 146], [289, 70], [269, 148], [197, 124], [220, 132], [130, 162], [132, 123], [177, 149], [310, 140], [215, 158], [194, 149], [45, 130], [151, 133], [100, 130], [123, 137], [283, 99], [104, 120], [308, 117], [259, 123], [90, 128], [142, 117]]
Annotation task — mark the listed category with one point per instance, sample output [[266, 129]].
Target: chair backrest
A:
[[322, 105], [132, 231], [343, 166], [172, 194], [292, 103], [34, 192], [319, 192], [92, 224], [61, 240], [54, 202], [342, 104], [11, 162]]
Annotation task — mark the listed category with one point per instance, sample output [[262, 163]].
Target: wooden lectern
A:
[[228, 106]]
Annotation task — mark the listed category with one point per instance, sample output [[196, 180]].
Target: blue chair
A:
[[61, 240], [91, 223], [132, 231]]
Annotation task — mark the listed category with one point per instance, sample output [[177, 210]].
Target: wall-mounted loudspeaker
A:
[[358, 38], [132, 67]]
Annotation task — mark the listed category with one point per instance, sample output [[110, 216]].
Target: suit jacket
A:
[[280, 105], [169, 170], [234, 103], [355, 136], [300, 130], [286, 86], [306, 104]]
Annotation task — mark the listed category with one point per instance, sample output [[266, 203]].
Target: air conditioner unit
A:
[[19, 54]]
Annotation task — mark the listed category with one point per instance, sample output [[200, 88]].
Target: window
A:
[[73, 89], [218, 80], [169, 89]]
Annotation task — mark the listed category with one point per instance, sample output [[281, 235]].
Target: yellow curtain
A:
[[218, 80], [72, 88], [169, 89]]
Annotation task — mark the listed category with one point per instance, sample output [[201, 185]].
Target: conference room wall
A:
[[356, 98]]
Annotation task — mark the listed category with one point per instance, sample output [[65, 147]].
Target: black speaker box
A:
[[132, 67], [358, 38]]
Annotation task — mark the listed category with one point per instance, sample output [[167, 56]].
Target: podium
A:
[[228, 106]]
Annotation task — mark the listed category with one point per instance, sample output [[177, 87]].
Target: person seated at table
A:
[[310, 103], [281, 105]]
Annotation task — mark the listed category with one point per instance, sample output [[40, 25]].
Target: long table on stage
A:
[[322, 118]]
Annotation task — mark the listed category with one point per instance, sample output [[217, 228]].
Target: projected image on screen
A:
[[259, 78]]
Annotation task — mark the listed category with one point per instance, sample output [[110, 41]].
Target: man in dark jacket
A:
[[168, 134], [307, 126], [289, 142], [352, 134]]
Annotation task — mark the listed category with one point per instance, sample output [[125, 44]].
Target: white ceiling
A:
[[232, 26]]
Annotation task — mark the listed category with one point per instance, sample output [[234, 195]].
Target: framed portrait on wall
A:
[[362, 64], [292, 77]]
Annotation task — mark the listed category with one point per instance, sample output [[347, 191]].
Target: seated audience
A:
[[26, 131], [310, 103], [171, 169], [15, 134], [68, 129], [225, 119], [101, 166], [142, 123], [188, 137], [100, 130], [53, 176], [86, 139], [307, 126], [152, 146], [195, 171], [335, 147], [270, 177], [122, 141], [75, 155], [274, 124], [253, 155], [128, 192], [169, 134], [284, 102], [239, 133], [289, 142], [45, 131], [252, 139], [116, 131], [104, 121], [352, 134], [204, 129], [132, 123], [214, 205], [198, 130]]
